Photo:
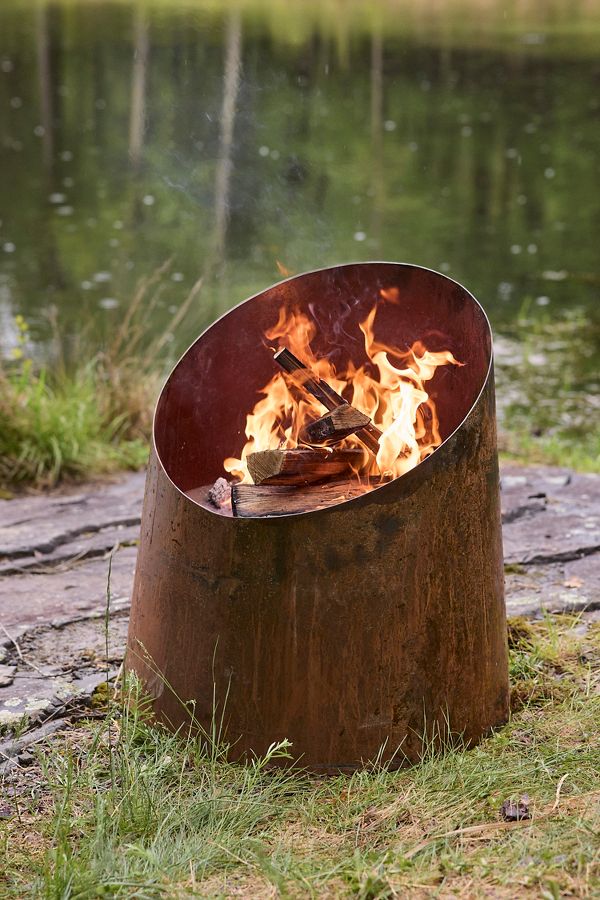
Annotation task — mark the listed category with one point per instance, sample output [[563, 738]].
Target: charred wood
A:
[[335, 426], [303, 376], [219, 493]]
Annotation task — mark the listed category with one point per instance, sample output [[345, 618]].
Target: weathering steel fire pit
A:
[[372, 622]]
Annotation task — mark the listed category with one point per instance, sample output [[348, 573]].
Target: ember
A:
[[379, 408]]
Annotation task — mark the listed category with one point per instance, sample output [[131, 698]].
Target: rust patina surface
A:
[[347, 629]]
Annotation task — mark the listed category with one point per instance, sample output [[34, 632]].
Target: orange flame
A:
[[283, 270], [394, 398]]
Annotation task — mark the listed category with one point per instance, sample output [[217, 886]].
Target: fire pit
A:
[[341, 585]]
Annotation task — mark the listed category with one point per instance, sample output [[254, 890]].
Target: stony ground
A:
[[55, 649]]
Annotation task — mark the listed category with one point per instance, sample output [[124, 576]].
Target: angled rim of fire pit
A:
[[417, 472]]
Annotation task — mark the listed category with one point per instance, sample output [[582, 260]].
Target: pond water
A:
[[237, 138]]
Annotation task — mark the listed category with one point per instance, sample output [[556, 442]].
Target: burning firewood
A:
[[310, 382], [369, 435], [260, 500], [335, 426], [303, 466], [219, 494]]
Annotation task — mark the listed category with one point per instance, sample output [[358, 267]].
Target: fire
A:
[[392, 394], [283, 270]]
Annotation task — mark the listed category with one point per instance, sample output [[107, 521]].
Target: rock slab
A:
[[551, 534]]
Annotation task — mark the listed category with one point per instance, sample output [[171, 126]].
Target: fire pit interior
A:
[[321, 389]]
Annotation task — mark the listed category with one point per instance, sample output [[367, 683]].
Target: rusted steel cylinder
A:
[[374, 623]]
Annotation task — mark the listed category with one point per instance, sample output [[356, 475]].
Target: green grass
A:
[[125, 810], [580, 452], [64, 423], [54, 429], [547, 390]]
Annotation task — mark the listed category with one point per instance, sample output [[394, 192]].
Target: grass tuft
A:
[[70, 423], [171, 818], [547, 389]]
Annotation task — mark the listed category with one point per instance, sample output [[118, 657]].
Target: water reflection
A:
[[236, 138]]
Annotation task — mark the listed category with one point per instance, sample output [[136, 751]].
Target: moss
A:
[[520, 633], [514, 569], [101, 696]]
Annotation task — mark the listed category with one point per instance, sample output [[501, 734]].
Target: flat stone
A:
[[41, 523], [64, 556], [10, 750], [59, 665], [29, 600], [563, 587], [7, 675], [549, 515]]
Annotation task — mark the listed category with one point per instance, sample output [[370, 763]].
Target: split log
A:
[[219, 494], [263, 500], [304, 376], [369, 435], [302, 466], [335, 426]]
